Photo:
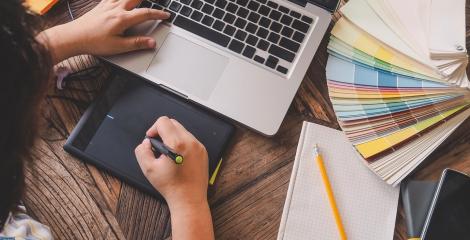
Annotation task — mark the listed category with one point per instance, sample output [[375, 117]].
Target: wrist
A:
[[188, 209], [63, 42], [183, 202]]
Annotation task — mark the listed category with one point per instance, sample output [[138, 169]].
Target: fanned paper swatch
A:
[[396, 98]]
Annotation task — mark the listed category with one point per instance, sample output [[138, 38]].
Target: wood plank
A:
[[142, 216], [67, 201], [254, 212]]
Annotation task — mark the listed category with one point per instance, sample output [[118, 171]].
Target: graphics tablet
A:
[[116, 122]]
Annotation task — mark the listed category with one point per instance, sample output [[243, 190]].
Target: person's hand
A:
[[178, 184], [184, 186], [101, 30]]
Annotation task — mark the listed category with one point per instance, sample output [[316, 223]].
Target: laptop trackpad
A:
[[187, 66]]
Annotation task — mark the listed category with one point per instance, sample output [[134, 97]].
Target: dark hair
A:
[[25, 67]]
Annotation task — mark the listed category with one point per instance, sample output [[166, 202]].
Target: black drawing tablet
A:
[[116, 122]]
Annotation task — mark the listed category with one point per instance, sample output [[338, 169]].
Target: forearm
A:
[[61, 42], [191, 221]]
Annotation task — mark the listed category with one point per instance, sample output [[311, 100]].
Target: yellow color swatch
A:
[[376, 146]]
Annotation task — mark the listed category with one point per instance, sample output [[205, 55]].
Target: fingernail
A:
[[168, 14], [151, 43], [146, 141]]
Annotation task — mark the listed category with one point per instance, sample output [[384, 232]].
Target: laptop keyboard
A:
[[259, 30]]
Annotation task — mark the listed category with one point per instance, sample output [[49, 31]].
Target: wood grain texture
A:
[[79, 201]]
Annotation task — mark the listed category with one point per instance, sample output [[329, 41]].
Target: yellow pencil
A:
[[329, 192]]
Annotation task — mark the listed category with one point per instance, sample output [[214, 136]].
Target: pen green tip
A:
[[179, 159]]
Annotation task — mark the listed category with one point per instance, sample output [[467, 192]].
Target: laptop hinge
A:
[[173, 91]]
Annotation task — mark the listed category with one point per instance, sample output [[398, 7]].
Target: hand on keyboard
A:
[[100, 31]]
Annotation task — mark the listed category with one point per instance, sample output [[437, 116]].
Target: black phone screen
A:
[[450, 216]]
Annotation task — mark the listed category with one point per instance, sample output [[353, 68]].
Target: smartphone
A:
[[449, 214]]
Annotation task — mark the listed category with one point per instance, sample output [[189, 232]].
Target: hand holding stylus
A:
[[184, 186]]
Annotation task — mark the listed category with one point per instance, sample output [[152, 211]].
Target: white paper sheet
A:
[[367, 205]]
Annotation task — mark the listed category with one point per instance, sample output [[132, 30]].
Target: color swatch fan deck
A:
[[397, 79]]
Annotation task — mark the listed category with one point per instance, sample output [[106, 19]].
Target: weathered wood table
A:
[[79, 201]]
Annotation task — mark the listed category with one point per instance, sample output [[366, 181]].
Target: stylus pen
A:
[[160, 147]]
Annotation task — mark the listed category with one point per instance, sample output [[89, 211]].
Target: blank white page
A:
[[367, 205]]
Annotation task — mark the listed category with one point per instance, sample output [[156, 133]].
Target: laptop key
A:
[[240, 35], [158, 7], [218, 25], [264, 22], [262, 32], [307, 19], [242, 2], [209, 1], [207, 9], [289, 44], [272, 62], [275, 27], [275, 15], [240, 23], [174, 6], [253, 6], [249, 52], [201, 31], [252, 40], [172, 15], [196, 16], [295, 14], [164, 3], [197, 4], [145, 4], [251, 28], [301, 26], [274, 37], [254, 17], [272, 4], [263, 10], [287, 31], [283, 9], [236, 46], [221, 3], [263, 45], [231, 7], [281, 53], [286, 20], [299, 37], [229, 30], [186, 11], [281, 69], [186, 2], [242, 12], [207, 20], [229, 18], [219, 14], [259, 59]]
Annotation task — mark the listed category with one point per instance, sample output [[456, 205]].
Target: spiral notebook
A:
[[367, 205]]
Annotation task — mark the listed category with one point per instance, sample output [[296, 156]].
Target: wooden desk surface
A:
[[80, 202]]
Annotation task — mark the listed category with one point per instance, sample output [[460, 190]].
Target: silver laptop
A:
[[244, 59]]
